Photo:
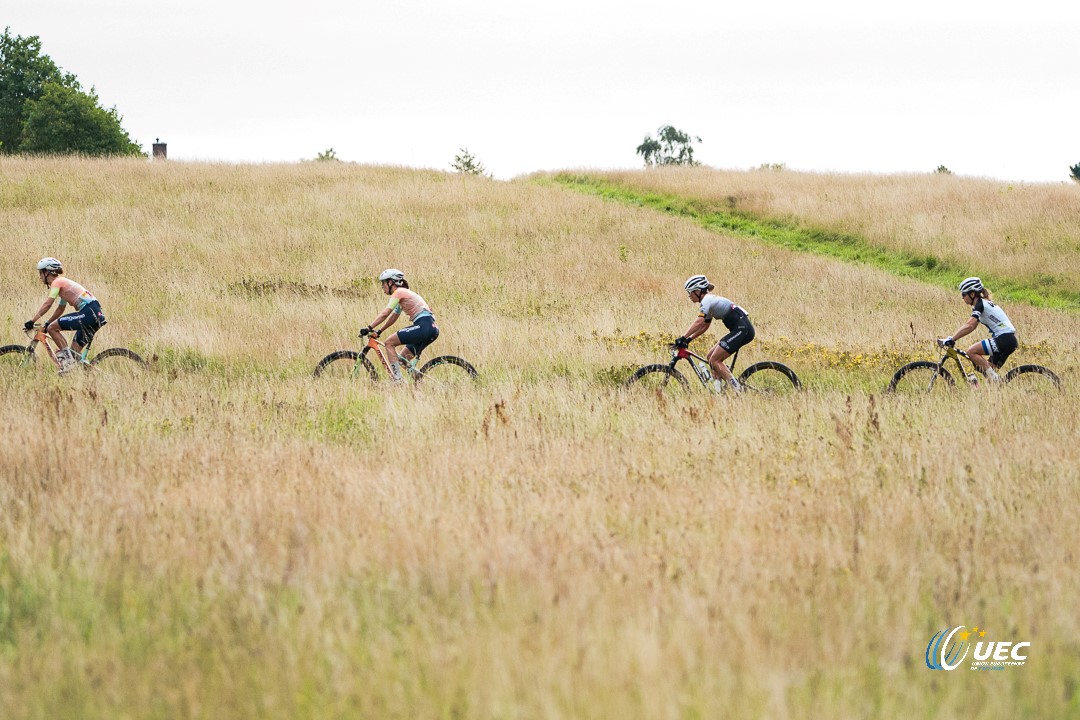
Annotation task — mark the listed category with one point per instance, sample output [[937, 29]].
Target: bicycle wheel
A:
[[119, 362], [659, 378], [1034, 379], [13, 356], [346, 365], [920, 377], [446, 371], [770, 378]]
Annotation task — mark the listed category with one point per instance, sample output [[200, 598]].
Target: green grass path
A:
[[793, 236]]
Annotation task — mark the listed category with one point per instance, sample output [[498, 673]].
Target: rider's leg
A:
[[716, 358], [978, 354], [57, 337], [393, 357]]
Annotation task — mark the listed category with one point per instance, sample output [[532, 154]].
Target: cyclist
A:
[[735, 319], [85, 321], [990, 354], [421, 333]]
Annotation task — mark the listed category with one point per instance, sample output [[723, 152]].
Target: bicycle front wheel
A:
[[14, 356], [119, 362], [659, 378], [1034, 379], [446, 371], [770, 378], [346, 365], [919, 378]]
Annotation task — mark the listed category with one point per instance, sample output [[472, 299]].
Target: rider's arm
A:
[[698, 327], [45, 308], [391, 321], [966, 328]]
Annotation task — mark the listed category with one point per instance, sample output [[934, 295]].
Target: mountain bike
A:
[[117, 361], [766, 377], [349, 364], [922, 376]]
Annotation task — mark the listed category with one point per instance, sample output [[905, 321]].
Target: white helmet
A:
[[697, 282], [395, 276], [972, 284], [50, 264]]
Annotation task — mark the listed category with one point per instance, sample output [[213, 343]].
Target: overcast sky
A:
[[985, 88]]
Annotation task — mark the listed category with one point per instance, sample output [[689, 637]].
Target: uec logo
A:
[[943, 654]]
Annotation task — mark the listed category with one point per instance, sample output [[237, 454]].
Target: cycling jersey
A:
[[714, 307], [993, 317], [413, 305], [70, 293]]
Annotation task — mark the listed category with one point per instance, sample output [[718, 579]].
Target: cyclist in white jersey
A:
[[988, 355], [735, 319]]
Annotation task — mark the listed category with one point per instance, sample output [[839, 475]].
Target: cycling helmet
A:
[[972, 284], [50, 264], [395, 276], [697, 282]]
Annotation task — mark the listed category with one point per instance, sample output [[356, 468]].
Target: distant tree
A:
[[24, 73], [327, 156], [467, 164], [75, 118], [942, 170], [774, 167], [1074, 172], [65, 120], [670, 147]]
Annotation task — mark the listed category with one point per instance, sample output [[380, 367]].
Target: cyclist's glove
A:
[[364, 332], [682, 343], [28, 325], [947, 342]]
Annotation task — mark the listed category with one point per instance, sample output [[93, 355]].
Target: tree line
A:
[[44, 110]]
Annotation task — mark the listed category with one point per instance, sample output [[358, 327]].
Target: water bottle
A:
[[703, 370]]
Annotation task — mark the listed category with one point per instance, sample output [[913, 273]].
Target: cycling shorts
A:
[[741, 334], [86, 322], [999, 348], [419, 335]]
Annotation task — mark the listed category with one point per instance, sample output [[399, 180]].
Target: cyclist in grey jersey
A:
[[735, 319], [988, 355]]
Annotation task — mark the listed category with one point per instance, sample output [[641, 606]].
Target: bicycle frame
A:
[[678, 354], [38, 336], [951, 353], [379, 348]]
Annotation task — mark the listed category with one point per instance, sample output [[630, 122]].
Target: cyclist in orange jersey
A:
[[85, 321], [422, 332]]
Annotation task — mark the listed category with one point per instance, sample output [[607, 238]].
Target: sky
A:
[[988, 89]]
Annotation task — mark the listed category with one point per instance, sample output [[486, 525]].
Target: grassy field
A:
[[224, 537], [1024, 237]]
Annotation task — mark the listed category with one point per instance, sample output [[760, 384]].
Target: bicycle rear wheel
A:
[[446, 371], [119, 363], [346, 365], [659, 378], [1034, 379], [921, 377], [770, 378]]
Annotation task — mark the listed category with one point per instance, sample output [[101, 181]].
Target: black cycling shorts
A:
[[999, 348], [85, 323], [419, 335], [741, 334]]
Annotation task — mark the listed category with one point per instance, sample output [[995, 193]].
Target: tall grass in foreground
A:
[[226, 538]]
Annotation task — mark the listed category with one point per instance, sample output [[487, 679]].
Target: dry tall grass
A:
[[1027, 232], [226, 538]]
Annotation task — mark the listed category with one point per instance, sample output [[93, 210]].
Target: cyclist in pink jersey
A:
[[85, 321], [422, 332]]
